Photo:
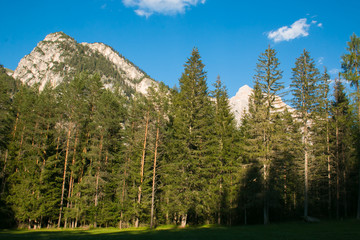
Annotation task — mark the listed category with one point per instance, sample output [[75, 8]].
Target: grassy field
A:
[[343, 230]]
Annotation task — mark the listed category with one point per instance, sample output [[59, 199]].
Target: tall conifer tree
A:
[[194, 141], [227, 151], [264, 99], [351, 68], [304, 89]]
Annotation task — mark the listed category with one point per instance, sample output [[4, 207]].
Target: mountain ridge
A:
[[59, 57]]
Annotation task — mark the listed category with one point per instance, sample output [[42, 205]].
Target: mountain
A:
[[9, 71], [239, 104], [59, 57]]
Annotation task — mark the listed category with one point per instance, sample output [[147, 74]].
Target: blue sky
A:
[[159, 35]]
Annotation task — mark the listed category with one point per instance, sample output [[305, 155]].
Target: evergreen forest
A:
[[80, 154]]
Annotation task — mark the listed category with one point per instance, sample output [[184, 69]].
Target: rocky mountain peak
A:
[[239, 104], [244, 90], [60, 57], [58, 37]]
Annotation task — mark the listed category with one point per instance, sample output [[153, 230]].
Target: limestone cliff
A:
[[59, 57]]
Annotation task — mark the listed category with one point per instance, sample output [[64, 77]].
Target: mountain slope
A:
[[59, 57]]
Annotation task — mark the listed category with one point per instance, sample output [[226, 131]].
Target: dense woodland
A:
[[82, 155]]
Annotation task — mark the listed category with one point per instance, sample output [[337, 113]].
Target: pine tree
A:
[[159, 104], [285, 178], [253, 151], [72, 98], [304, 90], [321, 166], [351, 68], [192, 159], [7, 90], [227, 152], [263, 112], [342, 147], [325, 89]]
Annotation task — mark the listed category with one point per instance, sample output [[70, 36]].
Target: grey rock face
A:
[[239, 104], [53, 59]]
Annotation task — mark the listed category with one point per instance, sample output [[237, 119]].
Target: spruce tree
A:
[[321, 166], [304, 89], [227, 152], [253, 149], [7, 91], [343, 141], [263, 110], [192, 159], [351, 67], [159, 105]]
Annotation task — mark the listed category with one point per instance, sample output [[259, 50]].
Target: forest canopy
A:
[[80, 154]]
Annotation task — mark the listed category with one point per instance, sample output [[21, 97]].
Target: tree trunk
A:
[[220, 197], [358, 101], [57, 148], [33, 137], [21, 142], [120, 222], [306, 198], [328, 164], [154, 176], [265, 193], [142, 165], [358, 210], [124, 179], [15, 125], [3, 173], [344, 186], [285, 188], [183, 221], [231, 199], [71, 181], [64, 175], [97, 179], [306, 162], [44, 144], [337, 167]]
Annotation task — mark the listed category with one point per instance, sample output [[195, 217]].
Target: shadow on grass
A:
[[343, 230]]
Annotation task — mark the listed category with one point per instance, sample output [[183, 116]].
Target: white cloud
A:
[[142, 13], [168, 7], [298, 29]]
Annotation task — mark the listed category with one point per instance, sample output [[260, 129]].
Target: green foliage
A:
[[227, 156], [351, 61], [8, 88], [262, 123], [192, 145], [83, 155]]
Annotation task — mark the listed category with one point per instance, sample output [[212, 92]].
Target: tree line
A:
[[80, 154]]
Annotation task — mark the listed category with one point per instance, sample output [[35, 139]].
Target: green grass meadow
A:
[[349, 229]]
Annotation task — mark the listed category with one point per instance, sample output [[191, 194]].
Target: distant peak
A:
[[244, 90], [245, 87], [57, 36]]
